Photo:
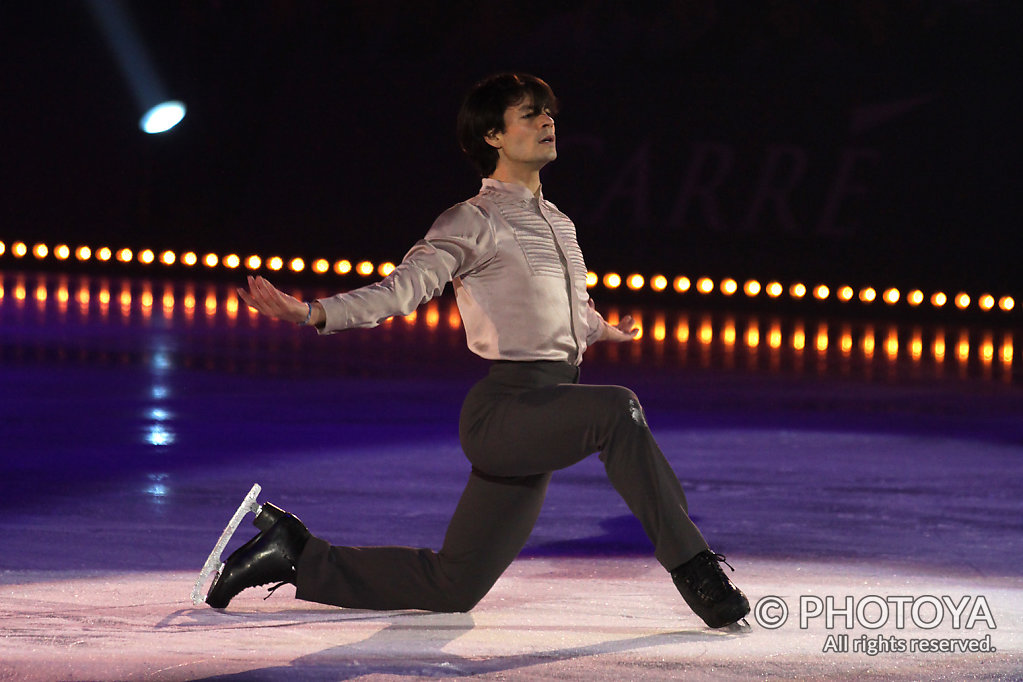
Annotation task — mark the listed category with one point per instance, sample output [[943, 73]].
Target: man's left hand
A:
[[625, 330]]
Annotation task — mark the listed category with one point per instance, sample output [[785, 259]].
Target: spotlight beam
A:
[[159, 114]]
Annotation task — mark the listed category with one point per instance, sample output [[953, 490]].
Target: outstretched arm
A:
[[271, 301]]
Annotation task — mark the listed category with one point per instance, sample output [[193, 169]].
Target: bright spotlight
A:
[[161, 113], [162, 117]]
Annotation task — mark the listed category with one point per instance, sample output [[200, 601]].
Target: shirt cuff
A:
[[336, 315]]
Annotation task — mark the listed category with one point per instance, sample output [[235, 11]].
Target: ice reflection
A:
[[759, 342], [157, 489], [159, 431]]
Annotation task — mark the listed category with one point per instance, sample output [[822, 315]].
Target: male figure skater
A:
[[520, 285]]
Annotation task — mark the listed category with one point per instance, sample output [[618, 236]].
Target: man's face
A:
[[528, 137]]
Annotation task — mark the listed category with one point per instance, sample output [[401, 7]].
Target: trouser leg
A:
[[516, 427], [553, 427], [490, 525]]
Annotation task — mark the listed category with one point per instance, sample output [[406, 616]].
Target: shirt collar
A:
[[514, 191]]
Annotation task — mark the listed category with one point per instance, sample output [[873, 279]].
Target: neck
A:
[[527, 177]]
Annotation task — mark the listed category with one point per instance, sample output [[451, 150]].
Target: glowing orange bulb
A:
[[1006, 303], [729, 287], [104, 254], [845, 293], [168, 258], [342, 267], [591, 279], [797, 290], [705, 285], [659, 283], [124, 255], [210, 260], [774, 289], [612, 280], [232, 260], [253, 262], [365, 268], [682, 284], [868, 295], [962, 301], [821, 292], [3, 248], [275, 263], [938, 299], [891, 296], [635, 282], [915, 297], [297, 265], [189, 258], [986, 302], [385, 269], [62, 251], [83, 253], [752, 288], [19, 249], [146, 256], [321, 266], [40, 251]]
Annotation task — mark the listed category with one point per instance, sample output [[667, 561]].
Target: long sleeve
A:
[[595, 324], [460, 240]]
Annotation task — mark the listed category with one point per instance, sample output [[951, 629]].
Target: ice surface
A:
[[129, 436]]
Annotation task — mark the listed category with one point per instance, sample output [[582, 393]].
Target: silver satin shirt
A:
[[517, 272]]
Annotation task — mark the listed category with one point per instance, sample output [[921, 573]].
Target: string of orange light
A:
[[680, 284]]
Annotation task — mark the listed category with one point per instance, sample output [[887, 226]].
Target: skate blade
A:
[[740, 626], [214, 563]]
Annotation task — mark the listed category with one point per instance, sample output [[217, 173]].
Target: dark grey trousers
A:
[[518, 424]]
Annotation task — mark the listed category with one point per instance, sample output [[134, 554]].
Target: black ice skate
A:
[[266, 516], [270, 557], [709, 592]]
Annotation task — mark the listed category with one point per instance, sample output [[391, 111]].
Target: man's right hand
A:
[[267, 299]]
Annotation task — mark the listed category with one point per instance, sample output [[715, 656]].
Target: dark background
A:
[[864, 141]]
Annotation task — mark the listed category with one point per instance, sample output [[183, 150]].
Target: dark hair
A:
[[482, 113]]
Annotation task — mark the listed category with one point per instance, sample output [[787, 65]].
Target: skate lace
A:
[[273, 589], [708, 578]]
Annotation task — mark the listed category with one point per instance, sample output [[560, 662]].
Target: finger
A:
[[247, 298]]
